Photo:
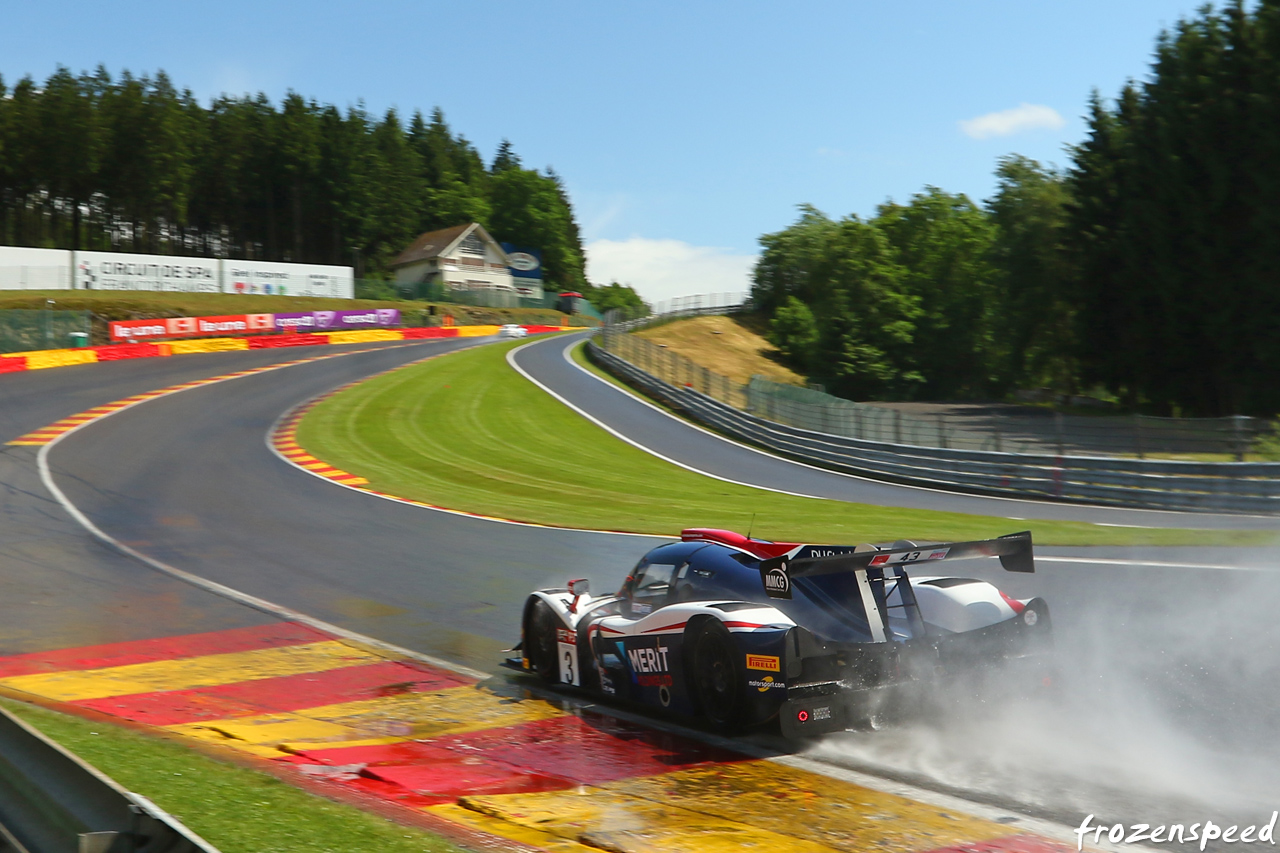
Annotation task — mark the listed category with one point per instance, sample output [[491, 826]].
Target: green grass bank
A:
[[467, 432]]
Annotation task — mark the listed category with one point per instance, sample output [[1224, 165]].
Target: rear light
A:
[[1030, 618], [803, 716]]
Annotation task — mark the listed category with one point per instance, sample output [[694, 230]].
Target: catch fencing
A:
[[1241, 487], [670, 310], [999, 428], [51, 802], [672, 368], [22, 330], [962, 426]]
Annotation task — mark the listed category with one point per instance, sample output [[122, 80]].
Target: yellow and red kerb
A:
[[46, 434], [482, 755], [284, 438]]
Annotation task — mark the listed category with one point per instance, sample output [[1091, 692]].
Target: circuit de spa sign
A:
[[115, 271]]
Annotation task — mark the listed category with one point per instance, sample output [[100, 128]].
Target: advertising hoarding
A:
[[248, 324], [333, 321], [118, 271], [278, 279], [23, 268], [187, 327], [526, 269], [34, 269]]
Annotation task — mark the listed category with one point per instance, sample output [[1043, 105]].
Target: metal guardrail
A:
[[957, 426], [1243, 487], [1016, 429], [52, 802]]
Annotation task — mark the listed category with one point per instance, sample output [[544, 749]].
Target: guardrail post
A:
[[995, 431], [942, 431], [897, 427], [1137, 433], [1237, 425]]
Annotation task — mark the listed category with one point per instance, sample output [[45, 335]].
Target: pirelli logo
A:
[[763, 662]]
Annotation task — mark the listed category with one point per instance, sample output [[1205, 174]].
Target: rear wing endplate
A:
[[776, 573]]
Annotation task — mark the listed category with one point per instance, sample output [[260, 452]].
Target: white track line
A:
[[261, 604], [633, 395], [613, 432]]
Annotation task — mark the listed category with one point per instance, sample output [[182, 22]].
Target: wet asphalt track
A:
[[1169, 671]]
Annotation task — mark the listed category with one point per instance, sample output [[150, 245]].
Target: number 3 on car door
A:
[[568, 664]]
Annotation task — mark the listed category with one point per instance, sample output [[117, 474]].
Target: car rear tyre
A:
[[540, 640], [717, 675]]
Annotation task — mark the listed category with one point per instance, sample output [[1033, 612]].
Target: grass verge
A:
[[233, 808], [467, 432]]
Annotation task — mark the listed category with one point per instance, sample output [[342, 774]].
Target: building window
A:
[[473, 245]]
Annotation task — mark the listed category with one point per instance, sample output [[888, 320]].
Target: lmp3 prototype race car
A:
[[736, 631]]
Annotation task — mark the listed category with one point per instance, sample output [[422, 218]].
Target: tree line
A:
[[132, 164], [1148, 269]]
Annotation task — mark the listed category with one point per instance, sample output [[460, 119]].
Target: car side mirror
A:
[[581, 586]]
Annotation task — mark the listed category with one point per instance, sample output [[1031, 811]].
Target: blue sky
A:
[[682, 130]]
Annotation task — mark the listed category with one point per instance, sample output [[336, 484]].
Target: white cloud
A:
[[664, 269], [1007, 122]]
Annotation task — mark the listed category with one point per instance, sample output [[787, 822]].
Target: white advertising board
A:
[[118, 271], [287, 279], [34, 269], [56, 269]]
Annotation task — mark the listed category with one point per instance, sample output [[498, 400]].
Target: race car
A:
[[513, 330], [736, 632]]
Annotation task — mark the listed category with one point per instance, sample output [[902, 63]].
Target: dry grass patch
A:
[[727, 345]]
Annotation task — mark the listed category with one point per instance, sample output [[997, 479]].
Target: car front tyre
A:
[[540, 641]]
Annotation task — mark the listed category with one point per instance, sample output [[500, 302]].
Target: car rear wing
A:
[[776, 573]]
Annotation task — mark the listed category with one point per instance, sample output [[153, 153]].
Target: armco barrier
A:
[[476, 331], [51, 802], [208, 345], [363, 336], [419, 333], [119, 352], [40, 360], [276, 341], [1241, 487]]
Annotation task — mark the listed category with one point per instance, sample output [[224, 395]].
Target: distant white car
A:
[[513, 330]]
